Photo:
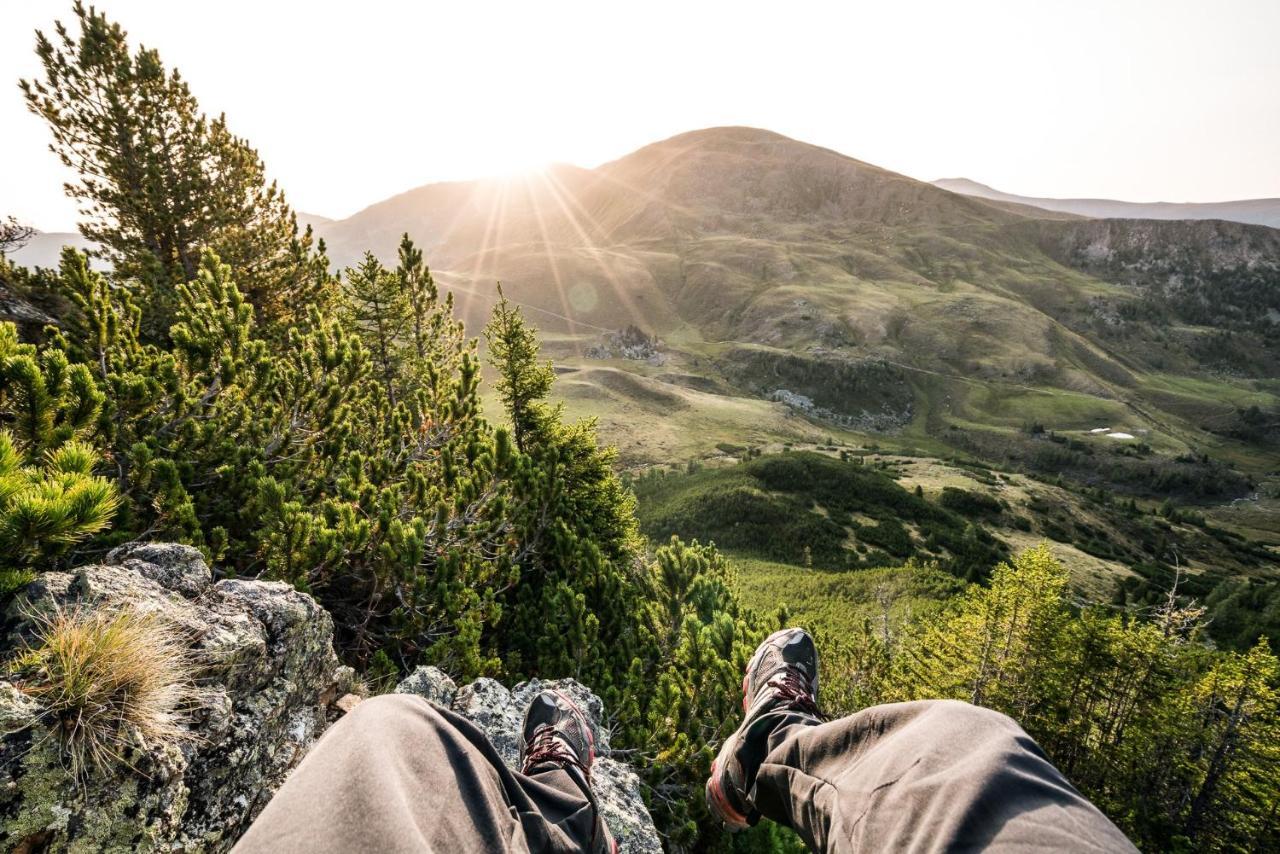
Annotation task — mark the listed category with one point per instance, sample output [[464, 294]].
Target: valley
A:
[[787, 292], [811, 514]]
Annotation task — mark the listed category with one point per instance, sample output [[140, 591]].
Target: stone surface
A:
[[500, 712], [430, 682], [347, 702], [630, 343], [267, 675], [174, 567]]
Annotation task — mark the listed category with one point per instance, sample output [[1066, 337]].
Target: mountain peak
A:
[[739, 139], [730, 179], [744, 171], [727, 133]]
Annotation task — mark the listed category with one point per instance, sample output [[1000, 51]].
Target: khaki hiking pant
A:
[[398, 774]]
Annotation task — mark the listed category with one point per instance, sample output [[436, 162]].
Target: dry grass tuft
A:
[[107, 679]]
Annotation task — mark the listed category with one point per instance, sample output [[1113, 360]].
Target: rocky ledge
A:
[[269, 684], [500, 713]]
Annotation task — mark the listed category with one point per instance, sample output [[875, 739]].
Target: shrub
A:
[[966, 503], [1055, 531], [45, 509], [50, 499], [766, 509], [890, 535], [106, 678]]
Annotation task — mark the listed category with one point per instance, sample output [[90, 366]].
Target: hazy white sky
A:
[[355, 101]]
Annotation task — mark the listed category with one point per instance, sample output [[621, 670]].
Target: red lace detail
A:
[[792, 687], [548, 746]]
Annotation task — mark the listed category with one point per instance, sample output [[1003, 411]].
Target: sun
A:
[[503, 158]]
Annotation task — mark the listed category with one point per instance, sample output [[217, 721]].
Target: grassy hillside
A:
[[798, 293], [810, 530], [835, 603], [813, 510]]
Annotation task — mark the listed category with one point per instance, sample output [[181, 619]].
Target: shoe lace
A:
[[792, 687], [548, 746]]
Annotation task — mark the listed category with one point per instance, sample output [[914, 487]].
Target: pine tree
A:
[[14, 235], [47, 506], [434, 334], [1234, 760], [422, 294], [1176, 742], [523, 381], [999, 640], [378, 307], [663, 642], [158, 180], [47, 399], [290, 457], [684, 687]]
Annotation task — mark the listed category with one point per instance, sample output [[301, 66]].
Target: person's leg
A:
[[922, 777], [398, 774], [934, 775]]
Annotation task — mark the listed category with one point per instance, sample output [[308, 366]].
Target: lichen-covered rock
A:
[[430, 682], [17, 710], [267, 674], [174, 567], [500, 712]]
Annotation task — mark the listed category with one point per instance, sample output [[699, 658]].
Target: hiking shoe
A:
[[556, 732], [781, 683]]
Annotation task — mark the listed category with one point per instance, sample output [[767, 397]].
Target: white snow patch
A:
[[1119, 435], [1100, 430]]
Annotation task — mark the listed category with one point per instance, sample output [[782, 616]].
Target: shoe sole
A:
[[717, 802], [721, 810]]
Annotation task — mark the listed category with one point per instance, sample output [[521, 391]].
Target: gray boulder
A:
[[500, 712], [174, 567], [267, 676], [430, 682]]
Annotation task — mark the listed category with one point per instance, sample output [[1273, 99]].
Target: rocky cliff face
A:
[[269, 684], [1167, 255]]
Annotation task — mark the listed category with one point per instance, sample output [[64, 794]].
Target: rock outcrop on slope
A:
[[268, 685], [500, 712], [267, 675]]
